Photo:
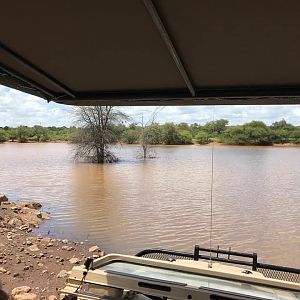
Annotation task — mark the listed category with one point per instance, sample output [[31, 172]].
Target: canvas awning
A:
[[152, 52]]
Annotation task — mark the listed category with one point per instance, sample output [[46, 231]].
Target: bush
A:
[[170, 134], [202, 137], [3, 136], [23, 134], [185, 137], [153, 134], [295, 136], [130, 136], [253, 133]]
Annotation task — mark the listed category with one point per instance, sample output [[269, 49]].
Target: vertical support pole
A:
[[196, 252], [254, 266], [229, 252]]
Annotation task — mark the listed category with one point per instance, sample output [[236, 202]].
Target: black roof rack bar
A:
[[22, 61], [170, 45], [158, 253], [278, 268], [228, 252], [164, 251]]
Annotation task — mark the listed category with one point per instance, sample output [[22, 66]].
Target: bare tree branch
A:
[[96, 133]]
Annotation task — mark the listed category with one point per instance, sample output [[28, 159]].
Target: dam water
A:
[[165, 201]]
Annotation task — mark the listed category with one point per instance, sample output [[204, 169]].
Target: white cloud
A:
[[17, 108]]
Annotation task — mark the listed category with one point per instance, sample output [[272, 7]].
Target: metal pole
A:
[[29, 82], [28, 65], [166, 38]]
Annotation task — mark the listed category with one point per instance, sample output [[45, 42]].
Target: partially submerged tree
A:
[[97, 131], [148, 134]]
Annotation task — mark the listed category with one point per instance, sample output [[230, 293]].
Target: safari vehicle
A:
[[160, 52]]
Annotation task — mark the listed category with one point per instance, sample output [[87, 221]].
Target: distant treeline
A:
[[253, 133], [37, 133]]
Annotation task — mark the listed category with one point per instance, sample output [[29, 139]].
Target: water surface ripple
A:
[[164, 202]]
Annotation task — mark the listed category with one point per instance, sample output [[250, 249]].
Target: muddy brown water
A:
[[165, 202]]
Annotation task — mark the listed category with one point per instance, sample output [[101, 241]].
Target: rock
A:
[[64, 241], [68, 248], [33, 248], [45, 216], [94, 249], [10, 236], [3, 198], [46, 240], [49, 245], [15, 222], [24, 227], [20, 290], [26, 268], [16, 274], [62, 274], [33, 205], [74, 260], [52, 297], [25, 296], [2, 270], [28, 242], [16, 209]]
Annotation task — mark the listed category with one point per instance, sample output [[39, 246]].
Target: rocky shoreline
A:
[[33, 266]]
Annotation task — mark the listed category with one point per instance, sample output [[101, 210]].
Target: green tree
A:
[[40, 134], [170, 134], [195, 128], [253, 133], [215, 127], [281, 131], [185, 137], [12, 134], [154, 134], [202, 137], [23, 134], [3, 136], [131, 136], [295, 136]]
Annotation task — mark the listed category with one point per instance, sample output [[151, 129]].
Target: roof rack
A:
[[226, 256]]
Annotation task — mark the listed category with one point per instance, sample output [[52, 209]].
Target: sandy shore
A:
[[39, 264]]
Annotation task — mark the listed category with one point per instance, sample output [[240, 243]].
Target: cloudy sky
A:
[[17, 108]]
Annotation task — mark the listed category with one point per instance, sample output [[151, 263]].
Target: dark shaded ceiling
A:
[[143, 52]]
